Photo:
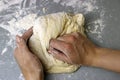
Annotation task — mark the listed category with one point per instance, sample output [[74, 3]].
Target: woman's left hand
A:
[[29, 64]]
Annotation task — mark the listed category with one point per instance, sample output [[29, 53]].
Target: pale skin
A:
[[72, 48]]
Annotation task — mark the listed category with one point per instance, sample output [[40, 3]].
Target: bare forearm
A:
[[33, 77], [107, 59]]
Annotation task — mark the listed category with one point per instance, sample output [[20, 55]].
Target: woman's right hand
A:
[[73, 48]]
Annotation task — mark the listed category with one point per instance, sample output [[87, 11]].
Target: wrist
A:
[[90, 58], [37, 75], [96, 58]]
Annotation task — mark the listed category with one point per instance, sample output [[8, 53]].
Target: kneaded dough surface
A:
[[53, 26]]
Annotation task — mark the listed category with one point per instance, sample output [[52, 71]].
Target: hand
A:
[[73, 48], [30, 65]]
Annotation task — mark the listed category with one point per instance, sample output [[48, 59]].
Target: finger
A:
[[58, 44], [17, 54], [68, 38], [78, 34], [58, 55], [27, 34]]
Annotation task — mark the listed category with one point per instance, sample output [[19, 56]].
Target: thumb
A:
[[20, 42]]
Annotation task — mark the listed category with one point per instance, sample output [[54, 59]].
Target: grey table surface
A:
[[9, 70]]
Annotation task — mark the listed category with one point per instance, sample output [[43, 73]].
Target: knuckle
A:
[[68, 46], [52, 42], [72, 38], [77, 34], [80, 35]]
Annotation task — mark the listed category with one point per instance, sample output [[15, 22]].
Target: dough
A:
[[53, 26]]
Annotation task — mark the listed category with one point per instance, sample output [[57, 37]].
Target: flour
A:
[[4, 4], [3, 51], [97, 28], [2, 63], [56, 1], [16, 10], [24, 23], [84, 5], [21, 77]]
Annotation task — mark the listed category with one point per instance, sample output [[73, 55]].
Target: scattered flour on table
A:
[[3, 51], [2, 63], [84, 6], [9, 21], [21, 77]]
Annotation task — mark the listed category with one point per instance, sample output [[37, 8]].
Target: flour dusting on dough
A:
[[52, 26]]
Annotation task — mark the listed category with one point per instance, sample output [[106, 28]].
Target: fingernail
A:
[[49, 52]]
